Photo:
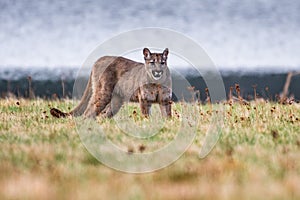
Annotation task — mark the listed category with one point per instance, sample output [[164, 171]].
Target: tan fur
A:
[[115, 80]]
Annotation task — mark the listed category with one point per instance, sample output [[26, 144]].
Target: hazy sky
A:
[[234, 33]]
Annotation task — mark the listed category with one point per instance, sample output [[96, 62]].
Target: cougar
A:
[[115, 80]]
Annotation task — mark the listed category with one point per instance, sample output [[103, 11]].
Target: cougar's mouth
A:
[[157, 74]]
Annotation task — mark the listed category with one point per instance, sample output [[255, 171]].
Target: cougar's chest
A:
[[154, 92]]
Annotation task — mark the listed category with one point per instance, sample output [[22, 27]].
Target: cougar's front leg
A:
[[146, 98], [145, 107], [165, 102], [165, 108]]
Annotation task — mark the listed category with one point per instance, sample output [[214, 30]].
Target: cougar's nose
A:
[[157, 73]]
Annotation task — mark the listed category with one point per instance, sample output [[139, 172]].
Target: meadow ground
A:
[[256, 157]]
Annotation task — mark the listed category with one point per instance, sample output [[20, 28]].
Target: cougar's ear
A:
[[165, 53], [146, 53]]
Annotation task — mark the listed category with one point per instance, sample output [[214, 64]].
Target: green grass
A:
[[257, 156]]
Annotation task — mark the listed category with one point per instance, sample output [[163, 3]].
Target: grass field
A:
[[257, 156]]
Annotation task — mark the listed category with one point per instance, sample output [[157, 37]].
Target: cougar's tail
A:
[[57, 113], [80, 108]]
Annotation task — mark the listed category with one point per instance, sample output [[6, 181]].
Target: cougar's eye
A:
[[162, 62], [152, 63]]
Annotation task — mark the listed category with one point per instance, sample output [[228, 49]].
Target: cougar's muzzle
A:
[[157, 74]]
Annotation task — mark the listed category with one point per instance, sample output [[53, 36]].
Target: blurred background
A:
[[49, 40]]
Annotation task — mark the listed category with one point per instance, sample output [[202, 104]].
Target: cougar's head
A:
[[156, 63]]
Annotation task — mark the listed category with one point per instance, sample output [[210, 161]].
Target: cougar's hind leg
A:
[[113, 107], [96, 106], [102, 96]]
